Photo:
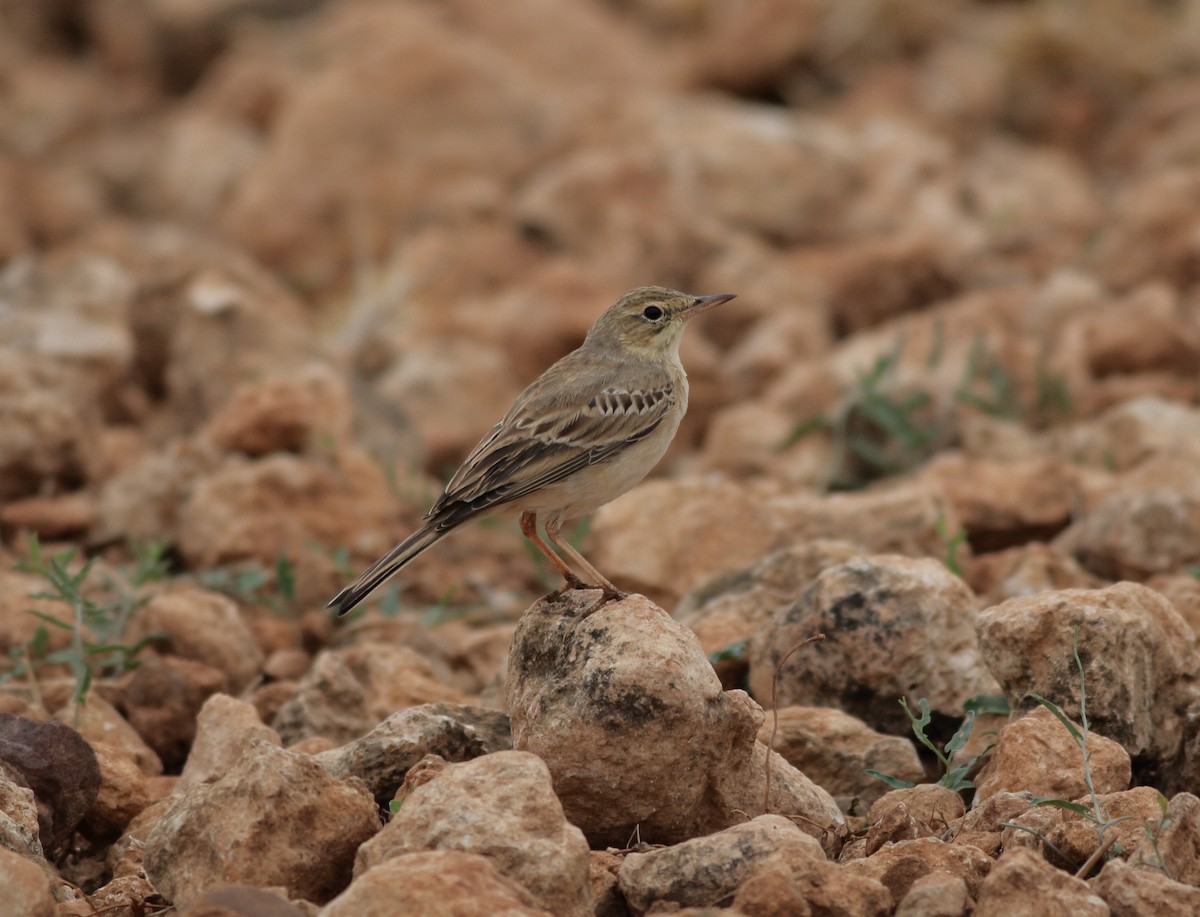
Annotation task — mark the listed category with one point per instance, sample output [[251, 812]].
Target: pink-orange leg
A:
[[529, 530], [553, 527]]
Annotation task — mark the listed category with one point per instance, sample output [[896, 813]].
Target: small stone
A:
[[437, 883], [707, 871], [1037, 754], [1140, 661], [27, 891], [384, 755], [835, 749], [627, 712], [1132, 892], [1022, 884], [502, 806], [274, 818], [890, 623], [225, 727]]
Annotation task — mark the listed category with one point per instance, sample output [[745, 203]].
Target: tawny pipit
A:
[[585, 431]]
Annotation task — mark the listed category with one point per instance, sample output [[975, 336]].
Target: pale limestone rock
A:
[[627, 712], [501, 806], [274, 818], [894, 627]]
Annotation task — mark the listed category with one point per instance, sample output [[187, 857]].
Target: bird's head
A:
[[650, 320]]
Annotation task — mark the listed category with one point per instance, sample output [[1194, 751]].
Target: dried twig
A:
[[815, 638]]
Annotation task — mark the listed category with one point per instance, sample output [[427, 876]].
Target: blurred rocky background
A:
[[269, 269]]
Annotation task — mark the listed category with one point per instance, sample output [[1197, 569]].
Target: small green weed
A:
[[735, 651], [96, 627], [883, 428], [954, 777], [952, 543], [1094, 814]]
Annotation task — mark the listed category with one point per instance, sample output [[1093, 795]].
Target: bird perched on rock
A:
[[585, 431]]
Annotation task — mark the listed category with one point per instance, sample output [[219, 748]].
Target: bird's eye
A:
[[652, 313]]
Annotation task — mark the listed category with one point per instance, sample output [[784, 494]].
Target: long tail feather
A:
[[385, 567]]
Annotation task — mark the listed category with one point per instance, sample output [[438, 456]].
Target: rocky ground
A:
[[269, 268]]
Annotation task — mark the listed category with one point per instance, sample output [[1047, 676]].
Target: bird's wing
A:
[[550, 433]]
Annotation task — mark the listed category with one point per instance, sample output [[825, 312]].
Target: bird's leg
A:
[[529, 530], [611, 592]]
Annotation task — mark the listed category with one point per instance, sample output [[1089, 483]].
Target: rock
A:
[[347, 692], [1022, 884], [1026, 570], [130, 893], [241, 901], [925, 810], [161, 699], [203, 626], [708, 871], [19, 820], [27, 890], [99, 721], [1076, 838], [983, 826], [1001, 504], [1129, 434], [1037, 754], [287, 414], [274, 818], [901, 864], [225, 727], [647, 540], [124, 791], [56, 763], [1135, 534], [325, 128], [502, 806], [384, 755], [834, 749], [777, 887], [733, 607], [606, 892], [285, 505], [141, 499], [935, 895], [440, 883], [1131, 892], [605, 700], [1182, 590], [1176, 849], [1139, 657], [50, 517], [451, 389], [894, 627]]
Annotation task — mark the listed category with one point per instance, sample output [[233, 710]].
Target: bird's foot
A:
[[607, 594]]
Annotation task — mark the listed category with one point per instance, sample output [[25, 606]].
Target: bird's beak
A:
[[704, 303]]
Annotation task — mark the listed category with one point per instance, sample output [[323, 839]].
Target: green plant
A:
[[1094, 814], [251, 582], [96, 627], [954, 776], [883, 428], [999, 397], [730, 652], [1154, 830], [952, 543]]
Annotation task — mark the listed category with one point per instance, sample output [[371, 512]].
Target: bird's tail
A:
[[385, 567]]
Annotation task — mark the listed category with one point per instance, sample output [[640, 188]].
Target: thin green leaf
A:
[[1062, 717], [894, 782], [1077, 807]]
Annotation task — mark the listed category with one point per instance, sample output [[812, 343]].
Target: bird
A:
[[585, 431]]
